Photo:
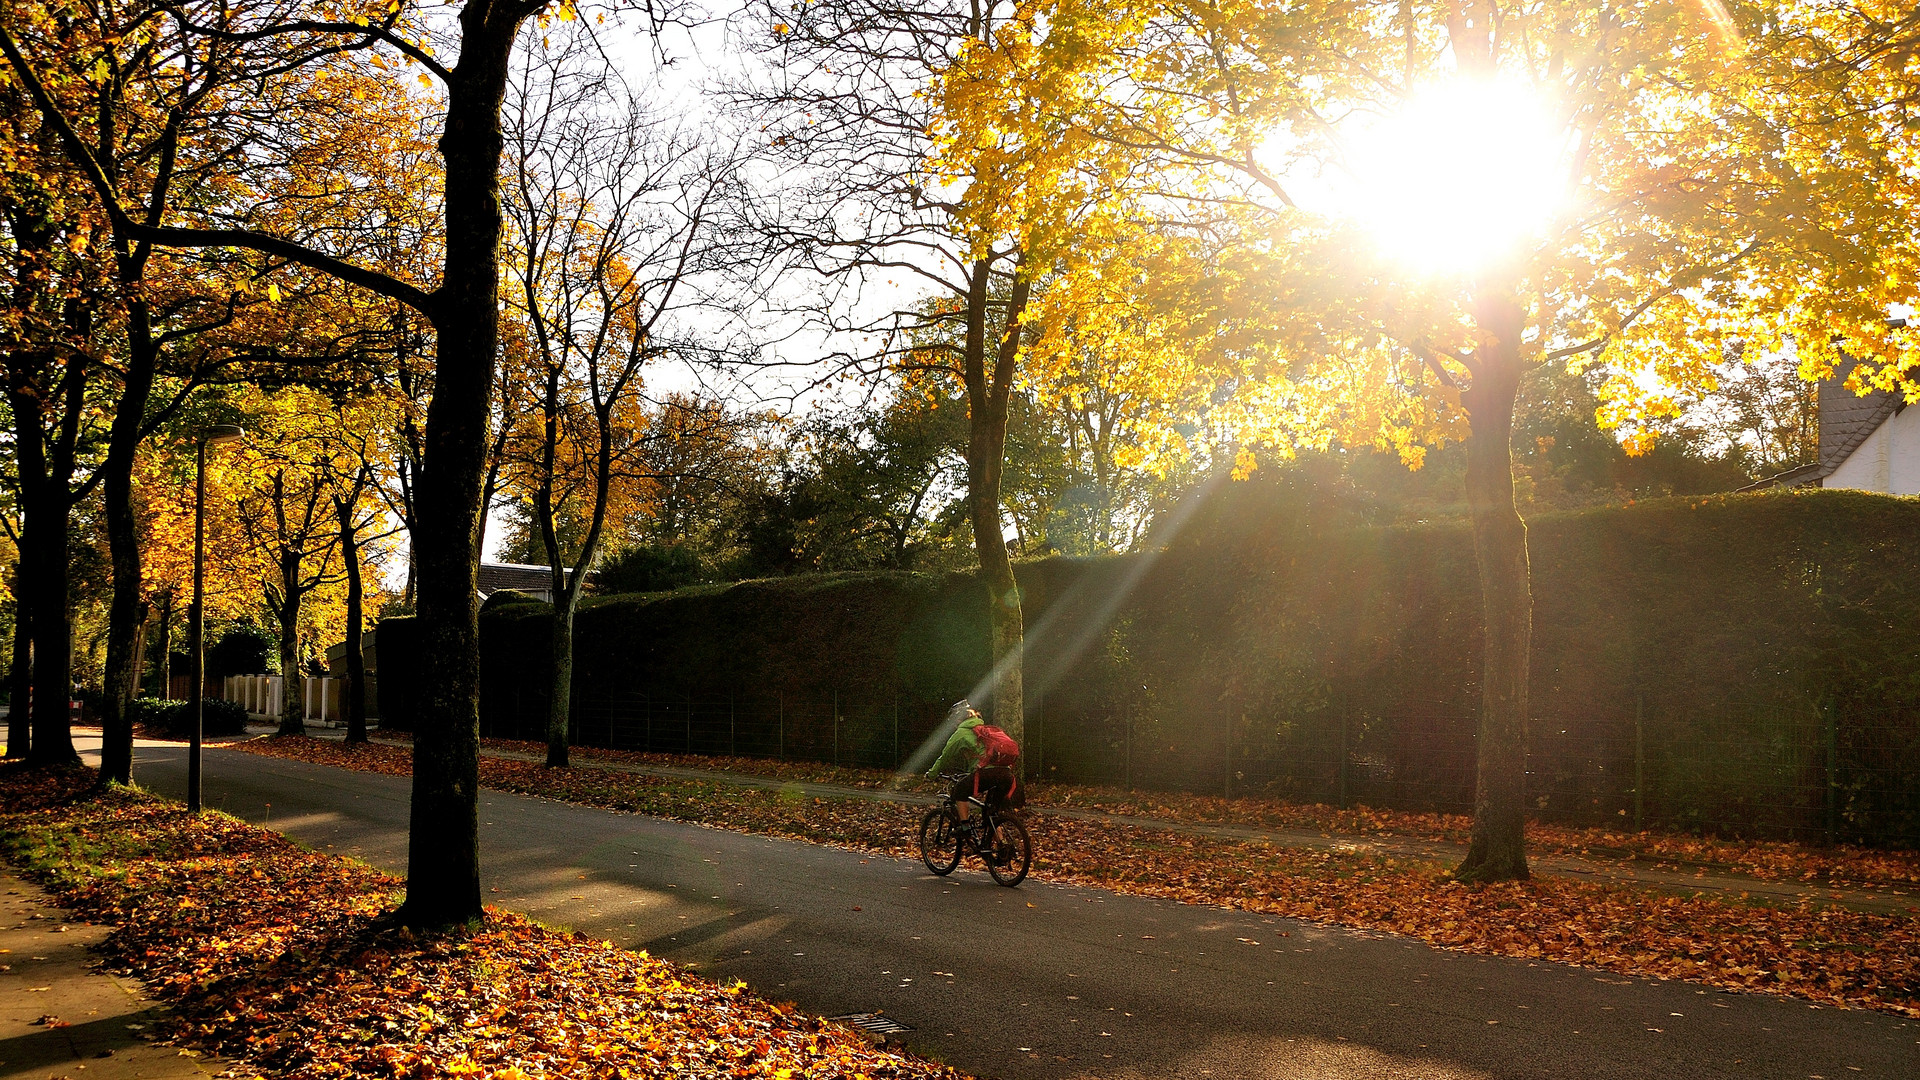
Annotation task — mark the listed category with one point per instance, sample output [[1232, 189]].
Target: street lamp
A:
[[196, 626]]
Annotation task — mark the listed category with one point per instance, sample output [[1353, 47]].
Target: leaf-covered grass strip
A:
[[280, 959]]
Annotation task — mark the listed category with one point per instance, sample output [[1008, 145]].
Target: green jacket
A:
[[963, 749]]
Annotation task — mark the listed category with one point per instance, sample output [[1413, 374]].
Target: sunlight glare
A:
[[1461, 178]]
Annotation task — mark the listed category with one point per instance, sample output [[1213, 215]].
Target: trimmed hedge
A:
[[218, 717], [1741, 663]]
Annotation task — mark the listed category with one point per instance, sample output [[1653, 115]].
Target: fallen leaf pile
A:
[[278, 959], [1840, 865], [1832, 955], [1765, 860]]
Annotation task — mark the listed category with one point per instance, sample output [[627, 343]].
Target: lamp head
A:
[[221, 433]]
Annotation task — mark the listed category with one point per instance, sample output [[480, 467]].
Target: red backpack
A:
[[997, 748]]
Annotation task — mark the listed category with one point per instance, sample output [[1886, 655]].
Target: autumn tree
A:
[[1627, 189], [59, 303], [288, 517], [443, 875], [620, 225], [170, 117], [857, 105]]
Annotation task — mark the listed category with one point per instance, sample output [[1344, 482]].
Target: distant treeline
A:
[[1737, 663]]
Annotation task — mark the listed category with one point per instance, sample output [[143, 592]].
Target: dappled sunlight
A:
[[1323, 1057]]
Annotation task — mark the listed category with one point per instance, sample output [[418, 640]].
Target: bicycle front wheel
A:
[[1012, 854], [939, 841]]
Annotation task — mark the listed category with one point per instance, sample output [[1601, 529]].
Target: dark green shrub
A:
[[218, 717], [1757, 649], [508, 598], [649, 568], [152, 712], [244, 649]]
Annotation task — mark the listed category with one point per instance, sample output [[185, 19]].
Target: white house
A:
[[1869, 443]]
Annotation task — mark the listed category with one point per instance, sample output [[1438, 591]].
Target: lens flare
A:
[[1461, 178]]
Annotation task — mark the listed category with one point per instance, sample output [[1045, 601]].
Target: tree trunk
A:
[[52, 733], [560, 686], [128, 608], [20, 675], [165, 644], [987, 399], [355, 698], [292, 707], [140, 652], [1498, 848], [443, 858]]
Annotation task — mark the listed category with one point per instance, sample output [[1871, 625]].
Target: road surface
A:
[[1050, 981]]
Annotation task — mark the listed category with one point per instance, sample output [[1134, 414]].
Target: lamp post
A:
[[196, 626]]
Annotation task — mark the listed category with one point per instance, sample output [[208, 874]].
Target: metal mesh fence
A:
[[872, 734], [1813, 773]]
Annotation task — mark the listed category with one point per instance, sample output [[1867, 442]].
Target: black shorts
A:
[[993, 786]]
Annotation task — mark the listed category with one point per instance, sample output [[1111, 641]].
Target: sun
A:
[[1460, 179]]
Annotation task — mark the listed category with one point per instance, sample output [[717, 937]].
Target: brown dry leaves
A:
[[1832, 955], [277, 957]]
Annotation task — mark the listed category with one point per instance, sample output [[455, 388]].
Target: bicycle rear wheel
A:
[[1012, 853], [939, 841]]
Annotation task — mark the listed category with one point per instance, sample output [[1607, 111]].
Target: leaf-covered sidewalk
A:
[[277, 959], [1832, 955]]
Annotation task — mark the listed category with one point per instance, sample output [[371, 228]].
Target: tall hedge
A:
[[1736, 663]]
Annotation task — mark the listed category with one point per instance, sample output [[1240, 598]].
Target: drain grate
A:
[[873, 1022]]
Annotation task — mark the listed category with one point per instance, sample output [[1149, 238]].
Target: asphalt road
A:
[[1054, 981]]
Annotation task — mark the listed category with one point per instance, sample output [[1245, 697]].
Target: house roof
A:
[[495, 576], [1846, 418]]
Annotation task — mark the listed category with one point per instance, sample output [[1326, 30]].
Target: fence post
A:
[[731, 745], [836, 727], [646, 713], [896, 730], [689, 721], [1831, 718], [1639, 760], [1346, 720], [782, 721], [1127, 767], [1227, 781]]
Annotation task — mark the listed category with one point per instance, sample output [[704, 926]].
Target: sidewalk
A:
[[1710, 881], [60, 1019]]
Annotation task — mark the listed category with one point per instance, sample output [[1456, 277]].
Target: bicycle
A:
[[997, 837]]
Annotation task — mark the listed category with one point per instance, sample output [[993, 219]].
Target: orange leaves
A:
[[1833, 955], [314, 983]]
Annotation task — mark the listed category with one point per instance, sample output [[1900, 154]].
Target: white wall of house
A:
[[1887, 462]]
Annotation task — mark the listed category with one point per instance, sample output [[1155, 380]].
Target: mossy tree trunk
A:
[[1498, 847], [988, 393]]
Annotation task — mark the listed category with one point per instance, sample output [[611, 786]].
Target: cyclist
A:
[[985, 750]]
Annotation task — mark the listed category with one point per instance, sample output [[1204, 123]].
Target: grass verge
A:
[[1833, 955], [277, 958]]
